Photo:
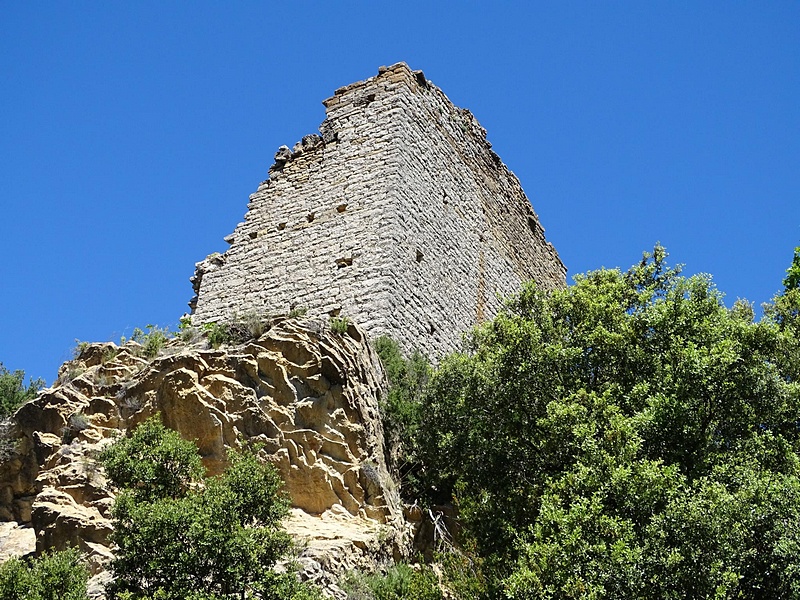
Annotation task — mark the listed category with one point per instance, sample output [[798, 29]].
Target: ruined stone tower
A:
[[398, 216]]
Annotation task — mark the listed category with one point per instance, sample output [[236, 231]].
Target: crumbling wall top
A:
[[398, 72]]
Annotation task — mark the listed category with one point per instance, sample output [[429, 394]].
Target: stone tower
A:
[[398, 216]]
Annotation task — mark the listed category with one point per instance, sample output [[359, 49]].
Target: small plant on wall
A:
[[152, 340], [340, 324], [297, 312]]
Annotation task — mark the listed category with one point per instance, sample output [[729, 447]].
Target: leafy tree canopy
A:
[[55, 576], [401, 411], [626, 437], [180, 538], [153, 463], [792, 280], [13, 392]]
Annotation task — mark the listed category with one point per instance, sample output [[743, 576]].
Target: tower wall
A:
[[399, 216]]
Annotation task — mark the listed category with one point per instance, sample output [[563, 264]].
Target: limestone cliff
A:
[[308, 394]]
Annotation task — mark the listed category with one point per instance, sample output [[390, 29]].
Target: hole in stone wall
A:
[[345, 261], [533, 225], [431, 328], [419, 255], [253, 235], [310, 217], [341, 208], [281, 226], [364, 100]]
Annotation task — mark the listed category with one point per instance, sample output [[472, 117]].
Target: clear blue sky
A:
[[131, 135]]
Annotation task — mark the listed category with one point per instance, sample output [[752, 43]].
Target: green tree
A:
[[153, 463], [401, 411], [178, 537], [792, 279], [13, 392], [626, 437], [784, 311], [55, 576]]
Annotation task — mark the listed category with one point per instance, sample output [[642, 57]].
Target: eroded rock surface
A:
[[16, 540], [308, 395]]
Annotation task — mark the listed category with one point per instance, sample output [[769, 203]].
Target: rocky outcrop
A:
[[16, 540], [308, 395]]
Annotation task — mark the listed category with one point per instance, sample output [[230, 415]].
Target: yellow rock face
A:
[[308, 395]]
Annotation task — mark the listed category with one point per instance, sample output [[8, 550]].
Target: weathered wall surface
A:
[[399, 216], [468, 236]]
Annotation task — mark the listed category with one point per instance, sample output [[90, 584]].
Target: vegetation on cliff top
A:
[[13, 391]]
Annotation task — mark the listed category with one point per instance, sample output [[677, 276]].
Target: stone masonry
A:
[[399, 216]]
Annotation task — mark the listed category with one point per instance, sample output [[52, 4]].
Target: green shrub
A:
[[179, 536], [15, 580], [339, 325], [73, 371], [54, 576], [792, 279], [187, 332], [401, 411], [109, 354], [154, 462], [297, 312], [79, 348], [152, 340], [218, 334], [238, 330], [462, 575], [13, 391], [400, 582]]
